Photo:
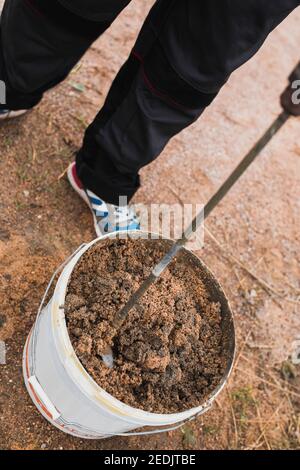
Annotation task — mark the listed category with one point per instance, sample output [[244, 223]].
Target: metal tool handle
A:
[[211, 204], [289, 109]]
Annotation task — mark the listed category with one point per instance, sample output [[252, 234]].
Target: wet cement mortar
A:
[[168, 352]]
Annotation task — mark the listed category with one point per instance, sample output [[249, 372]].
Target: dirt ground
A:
[[252, 239]]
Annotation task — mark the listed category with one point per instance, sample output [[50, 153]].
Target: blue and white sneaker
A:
[[6, 114], [107, 217]]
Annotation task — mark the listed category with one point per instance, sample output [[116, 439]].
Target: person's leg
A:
[[40, 42], [185, 53]]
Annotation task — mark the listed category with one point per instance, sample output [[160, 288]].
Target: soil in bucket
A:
[[168, 354]]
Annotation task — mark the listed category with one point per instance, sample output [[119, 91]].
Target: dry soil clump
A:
[[168, 353]]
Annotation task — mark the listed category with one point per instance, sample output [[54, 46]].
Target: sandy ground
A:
[[252, 239]]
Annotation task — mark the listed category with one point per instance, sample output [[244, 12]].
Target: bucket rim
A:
[[80, 376]]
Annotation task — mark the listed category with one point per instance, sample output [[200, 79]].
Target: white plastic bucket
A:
[[68, 397]]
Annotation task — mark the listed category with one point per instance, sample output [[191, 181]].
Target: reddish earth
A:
[[252, 239]]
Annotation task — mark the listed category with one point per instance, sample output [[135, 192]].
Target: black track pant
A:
[[184, 54]]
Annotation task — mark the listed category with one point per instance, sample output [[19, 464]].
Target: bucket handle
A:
[[157, 431], [41, 306], [60, 267]]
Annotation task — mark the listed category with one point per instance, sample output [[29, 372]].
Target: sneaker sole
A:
[[13, 114], [84, 197]]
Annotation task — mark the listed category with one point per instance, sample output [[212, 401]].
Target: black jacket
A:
[[95, 10]]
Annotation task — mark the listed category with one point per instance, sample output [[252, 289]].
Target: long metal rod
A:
[[197, 221]]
